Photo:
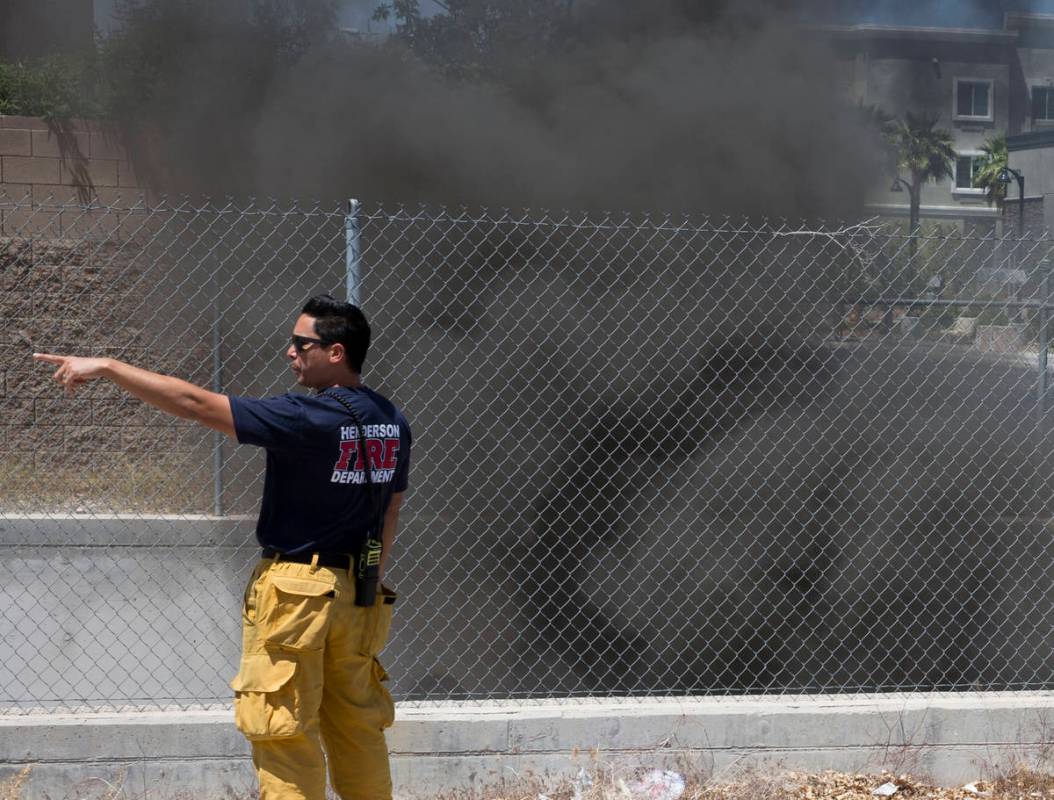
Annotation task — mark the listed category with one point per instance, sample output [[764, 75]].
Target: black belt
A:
[[334, 560]]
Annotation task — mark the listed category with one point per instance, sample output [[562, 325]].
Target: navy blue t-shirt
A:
[[315, 497]]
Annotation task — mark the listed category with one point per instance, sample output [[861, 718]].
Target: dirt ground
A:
[[1018, 784], [1015, 784]]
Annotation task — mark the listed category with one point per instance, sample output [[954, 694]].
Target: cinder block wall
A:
[[31, 163], [91, 280]]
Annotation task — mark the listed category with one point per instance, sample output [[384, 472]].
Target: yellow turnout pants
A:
[[310, 679]]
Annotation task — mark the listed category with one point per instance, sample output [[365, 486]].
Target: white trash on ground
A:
[[583, 781], [656, 784], [885, 790]]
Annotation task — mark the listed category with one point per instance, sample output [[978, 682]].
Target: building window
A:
[[1043, 103], [966, 168], [973, 99]]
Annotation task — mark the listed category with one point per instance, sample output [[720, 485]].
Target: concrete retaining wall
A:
[[445, 747]]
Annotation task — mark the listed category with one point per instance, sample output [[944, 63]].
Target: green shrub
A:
[[61, 87]]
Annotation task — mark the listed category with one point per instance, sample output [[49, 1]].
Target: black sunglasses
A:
[[301, 343]]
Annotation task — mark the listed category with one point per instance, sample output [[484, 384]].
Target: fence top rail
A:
[[874, 228], [953, 302], [140, 203]]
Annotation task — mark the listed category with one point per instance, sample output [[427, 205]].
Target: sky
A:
[[357, 14]]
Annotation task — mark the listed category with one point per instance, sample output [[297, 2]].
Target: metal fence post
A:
[[352, 253], [217, 386], [1044, 344]]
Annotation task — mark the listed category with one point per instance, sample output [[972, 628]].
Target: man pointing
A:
[[309, 689]]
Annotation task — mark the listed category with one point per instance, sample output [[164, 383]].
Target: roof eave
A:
[[914, 33], [1016, 20]]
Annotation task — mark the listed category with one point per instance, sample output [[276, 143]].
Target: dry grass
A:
[[606, 783], [842, 786], [11, 789], [1020, 783]]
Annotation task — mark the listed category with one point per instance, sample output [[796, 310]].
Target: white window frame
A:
[[956, 189], [1049, 86], [990, 117]]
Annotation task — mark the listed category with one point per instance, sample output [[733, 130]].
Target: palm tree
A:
[[926, 153], [990, 174]]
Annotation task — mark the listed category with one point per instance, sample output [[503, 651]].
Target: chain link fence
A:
[[654, 455]]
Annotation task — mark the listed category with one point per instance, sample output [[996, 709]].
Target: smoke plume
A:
[[725, 107]]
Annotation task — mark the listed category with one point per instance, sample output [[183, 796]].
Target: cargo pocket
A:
[[296, 616], [266, 701], [380, 677], [378, 622]]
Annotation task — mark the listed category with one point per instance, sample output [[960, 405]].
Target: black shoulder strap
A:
[[368, 560], [360, 431]]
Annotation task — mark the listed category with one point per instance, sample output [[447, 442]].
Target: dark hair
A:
[[336, 321]]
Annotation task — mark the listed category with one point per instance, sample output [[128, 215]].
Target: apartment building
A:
[[984, 70]]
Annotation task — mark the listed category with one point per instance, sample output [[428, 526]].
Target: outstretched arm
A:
[[171, 395]]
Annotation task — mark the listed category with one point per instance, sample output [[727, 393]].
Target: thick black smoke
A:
[[726, 107], [644, 475]]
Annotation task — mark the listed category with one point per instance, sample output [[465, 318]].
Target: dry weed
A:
[[756, 784], [1021, 781], [602, 782], [1021, 784], [11, 789]]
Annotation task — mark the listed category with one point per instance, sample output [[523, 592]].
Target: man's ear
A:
[[336, 352]]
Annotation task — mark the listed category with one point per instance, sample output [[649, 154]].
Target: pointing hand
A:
[[73, 370]]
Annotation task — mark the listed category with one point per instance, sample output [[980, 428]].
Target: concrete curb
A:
[[445, 746]]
